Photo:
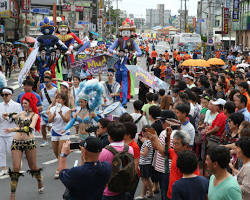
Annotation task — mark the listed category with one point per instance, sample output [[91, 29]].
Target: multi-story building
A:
[[157, 17], [139, 22], [242, 27]]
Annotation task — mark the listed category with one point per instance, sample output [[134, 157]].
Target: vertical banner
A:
[[226, 20], [4, 8], [194, 22], [25, 6], [236, 8]]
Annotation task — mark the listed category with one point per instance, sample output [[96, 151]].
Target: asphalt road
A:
[[27, 187]]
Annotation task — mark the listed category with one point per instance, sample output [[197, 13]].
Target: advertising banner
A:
[[236, 8], [25, 6], [226, 21]]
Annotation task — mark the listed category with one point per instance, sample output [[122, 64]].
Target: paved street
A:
[[27, 188]]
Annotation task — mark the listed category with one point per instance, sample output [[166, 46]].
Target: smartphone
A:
[[74, 145]]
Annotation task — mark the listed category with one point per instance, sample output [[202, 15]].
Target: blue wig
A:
[[93, 87], [3, 82], [47, 27]]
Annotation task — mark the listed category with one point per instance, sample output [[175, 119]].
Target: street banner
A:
[[95, 64], [27, 65], [226, 21], [25, 6], [236, 8], [4, 9], [147, 78]]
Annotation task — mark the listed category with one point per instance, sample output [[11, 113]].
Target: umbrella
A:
[[243, 65], [27, 39], [216, 61], [8, 43], [195, 63], [94, 33], [20, 44]]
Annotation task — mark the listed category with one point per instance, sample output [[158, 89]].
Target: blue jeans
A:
[[164, 181], [118, 197]]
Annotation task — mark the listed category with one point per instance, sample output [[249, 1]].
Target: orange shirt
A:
[[166, 55], [234, 68], [217, 54], [147, 48], [178, 58], [248, 100], [163, 68], [186, 56], [175, 53], [154, 54]]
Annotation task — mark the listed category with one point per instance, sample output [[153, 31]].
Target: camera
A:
[[91, 129]]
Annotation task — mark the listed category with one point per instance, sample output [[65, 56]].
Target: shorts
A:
[[146, 170], [57, 137], [23, 145], [43, 122]]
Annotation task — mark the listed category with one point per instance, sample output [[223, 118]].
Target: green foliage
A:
[[204, 38], [113, 15]]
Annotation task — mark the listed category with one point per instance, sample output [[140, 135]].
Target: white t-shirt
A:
[[74, 92], [142, 122], [58, 125], [209, 118], [189, 128], [51, 93]]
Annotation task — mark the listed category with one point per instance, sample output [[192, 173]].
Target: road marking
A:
[[4, 177], [50, 162]]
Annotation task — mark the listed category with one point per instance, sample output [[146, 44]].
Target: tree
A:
[[114, 13]]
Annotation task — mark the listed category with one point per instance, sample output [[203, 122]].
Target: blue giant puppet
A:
[[124, 44]]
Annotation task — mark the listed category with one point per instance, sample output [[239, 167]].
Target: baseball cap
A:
[[219, 102], [188, 76], [65, 84], [205, 96], [92, 144], [167, 114]]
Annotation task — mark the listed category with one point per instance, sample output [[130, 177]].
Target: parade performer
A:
[[23, 141], [87, 106], [126, 44]]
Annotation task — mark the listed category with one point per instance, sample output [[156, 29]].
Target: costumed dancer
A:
[[87, 105], [125, 43], [23, 141]]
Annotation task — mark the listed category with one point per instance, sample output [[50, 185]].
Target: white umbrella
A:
[[243, 65]]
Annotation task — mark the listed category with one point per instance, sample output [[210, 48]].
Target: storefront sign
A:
[[1, 28], [236, 6], [43, 11], [226, 21], [4, 8], [75, 8]]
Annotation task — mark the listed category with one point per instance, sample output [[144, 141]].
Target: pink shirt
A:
[[107, 156]]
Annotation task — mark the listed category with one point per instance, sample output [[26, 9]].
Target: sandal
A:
[[56, 176]]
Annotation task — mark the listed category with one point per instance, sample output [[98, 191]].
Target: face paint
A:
[[46, 31]]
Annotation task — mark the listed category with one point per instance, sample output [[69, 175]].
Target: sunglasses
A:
[[5, 95], [110, 75]]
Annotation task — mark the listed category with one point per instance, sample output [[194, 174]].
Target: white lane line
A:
[[4, 177], [15, 87], [50, 162]]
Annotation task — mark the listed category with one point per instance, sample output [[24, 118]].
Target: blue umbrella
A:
[[94, 33]]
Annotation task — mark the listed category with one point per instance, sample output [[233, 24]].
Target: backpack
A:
[[123, 176]]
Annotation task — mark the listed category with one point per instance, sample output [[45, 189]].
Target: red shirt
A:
[[136, 149], [175, 173], [220, 121]]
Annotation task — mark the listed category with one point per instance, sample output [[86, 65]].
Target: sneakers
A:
[[3, 172], [44, 143]]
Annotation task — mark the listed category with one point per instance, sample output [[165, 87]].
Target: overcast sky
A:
[[138, 7]]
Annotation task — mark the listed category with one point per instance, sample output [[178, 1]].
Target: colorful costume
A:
[[125, 43]]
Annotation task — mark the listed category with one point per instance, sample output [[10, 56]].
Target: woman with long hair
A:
[[23, 141], [59, 116], [84, 116]]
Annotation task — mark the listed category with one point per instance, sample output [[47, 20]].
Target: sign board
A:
[[99, 25], [109, 22], [236, 9], [210, 41], [226, 20], [1, 28], [82, 22], [75, 8], [43, 11], [200, 20], [4, 9]]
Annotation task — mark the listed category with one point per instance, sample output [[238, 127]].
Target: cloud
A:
[[138, 7]]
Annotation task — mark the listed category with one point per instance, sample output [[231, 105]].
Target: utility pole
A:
[[200, 16], [222, 25], [185, 16], [210, 30], [117, 17], [180, 15]]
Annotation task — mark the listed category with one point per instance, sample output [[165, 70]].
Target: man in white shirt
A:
[[47, 94], [190, 81], [7, 108]]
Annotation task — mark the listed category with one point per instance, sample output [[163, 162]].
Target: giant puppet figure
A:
[[46, 42], [122, 46]]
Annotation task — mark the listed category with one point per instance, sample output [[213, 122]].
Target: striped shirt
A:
[[115, 88], [146, 160]]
